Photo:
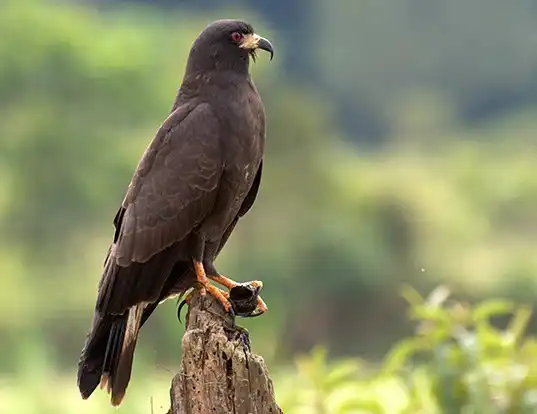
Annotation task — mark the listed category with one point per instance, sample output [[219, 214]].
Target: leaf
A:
[[430, 313], [421, 391], [438, 296], [517, 326], [359, 407], [490, 308], [313, 365], [492, 345], [401, 353], [412, 296], [529, 349], [341, 373]]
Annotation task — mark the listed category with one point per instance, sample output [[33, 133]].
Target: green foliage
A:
[[458, 361]]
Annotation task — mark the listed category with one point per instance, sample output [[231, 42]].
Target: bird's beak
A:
[[254, 41]]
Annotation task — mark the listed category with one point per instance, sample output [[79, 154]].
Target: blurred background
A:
[[401, 150]]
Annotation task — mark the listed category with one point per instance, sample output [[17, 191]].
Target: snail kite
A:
[[197, 177]]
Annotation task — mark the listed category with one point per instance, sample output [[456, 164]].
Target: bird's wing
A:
[[245, 207], [252, 194], [173, 189]]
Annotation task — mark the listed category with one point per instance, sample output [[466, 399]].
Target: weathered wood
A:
[[219, 373]]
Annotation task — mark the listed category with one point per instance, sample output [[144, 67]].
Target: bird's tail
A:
[[108, 354]]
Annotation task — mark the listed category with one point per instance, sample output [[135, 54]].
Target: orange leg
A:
[[207, 287], [230, 284]]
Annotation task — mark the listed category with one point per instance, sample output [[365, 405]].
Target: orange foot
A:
[[245, 306]]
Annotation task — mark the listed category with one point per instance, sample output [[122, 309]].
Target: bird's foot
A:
[[242, 299], [243, 296], [220, 295]]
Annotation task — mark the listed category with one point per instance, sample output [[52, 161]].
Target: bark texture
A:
[[219, 373]]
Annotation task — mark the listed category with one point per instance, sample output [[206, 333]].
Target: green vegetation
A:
[[338, 227], [458, 361]]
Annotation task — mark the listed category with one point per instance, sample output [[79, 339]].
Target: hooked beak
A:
[[252, 42]]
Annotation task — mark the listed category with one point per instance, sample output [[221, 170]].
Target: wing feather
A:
[[173, 189]]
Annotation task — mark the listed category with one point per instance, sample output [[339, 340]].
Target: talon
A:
[[261, 305], [231, 311], [255, 314], [256, 284], [181, 305]]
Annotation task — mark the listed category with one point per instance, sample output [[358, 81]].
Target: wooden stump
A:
[[219, 374]]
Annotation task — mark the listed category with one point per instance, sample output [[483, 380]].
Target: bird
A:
[[198, 176]]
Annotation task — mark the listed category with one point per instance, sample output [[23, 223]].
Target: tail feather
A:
[[113, 350], [90, 365], [120, 374], [108, 354]]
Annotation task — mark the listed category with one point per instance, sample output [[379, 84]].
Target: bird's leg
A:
[[205, 285], [230, 284]]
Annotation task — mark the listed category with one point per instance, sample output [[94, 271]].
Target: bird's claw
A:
[[256, 313], [180, 308], [243, 299], [197, 286]]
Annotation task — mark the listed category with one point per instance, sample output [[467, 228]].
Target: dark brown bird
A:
[[198, 176]]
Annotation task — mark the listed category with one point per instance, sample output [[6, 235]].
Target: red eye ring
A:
[[236, 36]]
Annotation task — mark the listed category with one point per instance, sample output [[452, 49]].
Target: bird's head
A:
[[227, 44]]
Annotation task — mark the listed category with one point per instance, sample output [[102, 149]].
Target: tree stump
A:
[[219, 373]]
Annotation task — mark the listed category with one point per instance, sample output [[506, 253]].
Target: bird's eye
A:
[[236, 36]]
